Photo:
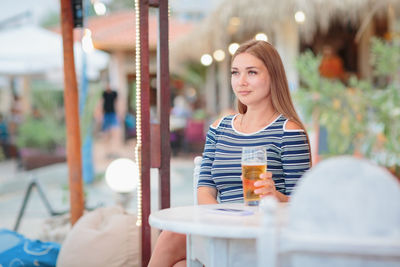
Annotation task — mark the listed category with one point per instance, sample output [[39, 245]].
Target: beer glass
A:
[[254, 163]]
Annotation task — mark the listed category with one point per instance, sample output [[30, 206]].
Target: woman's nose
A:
[[243, 79]]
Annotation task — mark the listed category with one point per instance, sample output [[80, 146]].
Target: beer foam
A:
[[249, 163]]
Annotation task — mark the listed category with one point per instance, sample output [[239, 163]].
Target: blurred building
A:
[[291, 26], [115, 34], [32, 55], [193, 10]]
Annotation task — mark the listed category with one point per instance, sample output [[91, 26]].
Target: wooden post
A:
[[163, 103], [72, 114], [145, 235], [159, 140]]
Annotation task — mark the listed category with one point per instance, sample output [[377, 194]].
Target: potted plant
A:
[[41, 136]]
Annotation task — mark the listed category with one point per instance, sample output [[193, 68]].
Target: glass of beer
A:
[[254, 163]]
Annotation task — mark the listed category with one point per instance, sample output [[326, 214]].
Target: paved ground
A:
[[54, 180]]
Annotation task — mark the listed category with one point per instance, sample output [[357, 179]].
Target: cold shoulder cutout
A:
[[291, 126], [217, 122]]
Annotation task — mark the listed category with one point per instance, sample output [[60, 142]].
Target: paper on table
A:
[[230, 211]]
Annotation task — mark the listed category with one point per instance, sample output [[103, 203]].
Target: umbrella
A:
[[33, 50]]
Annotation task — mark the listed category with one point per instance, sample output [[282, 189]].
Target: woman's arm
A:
[[206, 195], [295, 155], [295, 161], [206, 187]]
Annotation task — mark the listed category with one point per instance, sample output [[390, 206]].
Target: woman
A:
[[266, 118]]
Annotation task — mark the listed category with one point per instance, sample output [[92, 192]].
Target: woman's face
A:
[[250, 80]]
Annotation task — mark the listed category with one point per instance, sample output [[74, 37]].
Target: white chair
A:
[[191, 257], [196, 174], [344, 212]]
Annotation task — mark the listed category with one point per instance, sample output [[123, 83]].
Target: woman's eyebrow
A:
[[250, 67]]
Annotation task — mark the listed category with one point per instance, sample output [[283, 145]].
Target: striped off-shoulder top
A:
[[288, 157]]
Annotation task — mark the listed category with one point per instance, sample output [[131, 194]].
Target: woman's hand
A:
[[265, 186]]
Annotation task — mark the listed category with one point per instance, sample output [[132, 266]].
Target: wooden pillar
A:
[[364, 47], [154, 139], [26, 93], [72, 114], [145, 234], [288, 45], [163, 94], [225, 99], [211, 90]]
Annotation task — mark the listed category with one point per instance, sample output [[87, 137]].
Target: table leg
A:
[[206, 251], [191, 260], [218, 251]]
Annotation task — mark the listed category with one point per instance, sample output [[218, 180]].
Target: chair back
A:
[[344, 212], [196, 174]]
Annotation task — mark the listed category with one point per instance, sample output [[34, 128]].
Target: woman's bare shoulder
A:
[[292, 126], [216, 122]]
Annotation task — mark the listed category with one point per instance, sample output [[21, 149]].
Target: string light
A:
[[100, 8], [206, 60], [138, 147], [300, 17], [261, 37], [138, 117], [219, 55], [233, 47]]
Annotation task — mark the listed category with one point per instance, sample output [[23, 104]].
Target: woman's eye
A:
[[252, 72], [234, 72]]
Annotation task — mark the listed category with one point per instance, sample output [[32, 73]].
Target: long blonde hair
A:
[[280, 94]]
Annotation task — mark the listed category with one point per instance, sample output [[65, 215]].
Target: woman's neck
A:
[[256, 119]]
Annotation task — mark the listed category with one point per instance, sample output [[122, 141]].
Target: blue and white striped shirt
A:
[[287, 151]]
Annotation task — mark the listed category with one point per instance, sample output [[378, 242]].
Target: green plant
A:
[[44, 129], [385, 58], [195, 74], [86, 122], [360, 116], [2, 157], [45, 134], [48, 101]]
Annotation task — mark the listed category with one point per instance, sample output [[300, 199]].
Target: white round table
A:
[[214, 238]]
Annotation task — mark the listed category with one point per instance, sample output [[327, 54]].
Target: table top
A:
[[205, 220]]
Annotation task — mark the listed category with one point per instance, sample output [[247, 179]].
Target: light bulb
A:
[[99, 8], [206, 60], [219, 55], [233, 47], [300, 17], [261, 37], [122, 175]]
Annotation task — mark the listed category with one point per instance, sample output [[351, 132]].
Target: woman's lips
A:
[[244, 92]]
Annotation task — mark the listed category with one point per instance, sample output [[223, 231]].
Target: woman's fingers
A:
[[263, 186], [266, 186], [266, 175]]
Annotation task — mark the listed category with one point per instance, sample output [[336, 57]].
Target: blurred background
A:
[[342, 60]]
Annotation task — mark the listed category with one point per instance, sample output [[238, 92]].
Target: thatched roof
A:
[[218, 30]]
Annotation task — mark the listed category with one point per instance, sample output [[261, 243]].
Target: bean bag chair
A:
[[107, 236]]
